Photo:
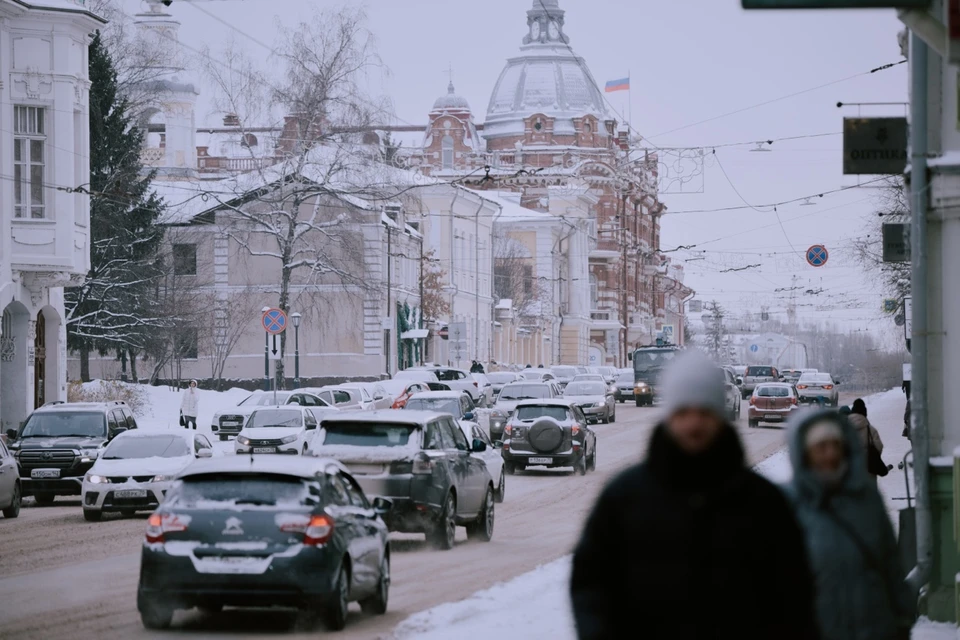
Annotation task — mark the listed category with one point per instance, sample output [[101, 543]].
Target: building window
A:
[[528, 280], [184, 259], [446, 145], [594, 292], [28, 162], [185, 343]]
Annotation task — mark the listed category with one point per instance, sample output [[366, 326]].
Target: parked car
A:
[[500, 378], [818, 387], [137, 468], [772, 402], [265, 532], [402, 390], [460, 405], [229, 422], [420, 375], [11, 493], [283, 429], [343, 397], [486, 389], [550, 433], [373, 396], [756, 375], [421, 461], [539, 375], [514, 393], [593, 397], [734, 394], [564, 374], [457, 379], [625, 385], [491, 456], [58, 444]]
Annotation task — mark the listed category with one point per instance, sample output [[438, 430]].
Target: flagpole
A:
[[629, 100]]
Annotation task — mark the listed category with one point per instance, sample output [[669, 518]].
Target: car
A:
[[283, 429], [818, 387], [10, 492], [136, 469], [229, 422], [734, 394], [625, 385], [344, 397], [539, 375], [610, 374], [420, 375], [486, 389], [457, 379], [460, 405], [772, 402], [491, 456], [372, 395], [791, 375], [266, 532], [402, 390], [515, 392], [58, 444], [564, 374], [500, 378], [593, 397], [757, 374], [421, 462], [549, 433], [585, 377]]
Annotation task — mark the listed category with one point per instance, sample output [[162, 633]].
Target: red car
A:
[[772, 402], [401, 390]]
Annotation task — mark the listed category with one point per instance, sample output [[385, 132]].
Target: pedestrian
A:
[[691, 543], [473, 367], [190, 405], [869, 436], [539, 366], [528, 367], [480, 368], [861, 593]]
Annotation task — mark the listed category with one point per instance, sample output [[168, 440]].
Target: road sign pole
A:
[[266, 361]]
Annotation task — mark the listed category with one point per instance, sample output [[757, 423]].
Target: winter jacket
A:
[[862, 426], [190, 403], [859, 596], [687, 547]]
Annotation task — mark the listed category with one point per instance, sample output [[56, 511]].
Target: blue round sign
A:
[[274, 321], [754, 348], [817, 255]]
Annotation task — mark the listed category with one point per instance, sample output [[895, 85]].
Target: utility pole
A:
[[423, 346], [624, 319], [388, 332]]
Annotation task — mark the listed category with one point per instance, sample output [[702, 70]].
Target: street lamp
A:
[[296, 349]]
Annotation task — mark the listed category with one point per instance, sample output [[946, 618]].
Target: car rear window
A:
[[773, 392], [368, 434], [534, 412], [759, 372], [239, 489], [524, 392], [577, 388]]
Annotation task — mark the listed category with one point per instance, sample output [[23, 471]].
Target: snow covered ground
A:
[[543, 592]]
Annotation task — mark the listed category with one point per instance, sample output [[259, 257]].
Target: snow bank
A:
[[929, 630]]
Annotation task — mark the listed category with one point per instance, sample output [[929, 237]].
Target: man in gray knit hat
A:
[[691, 543]]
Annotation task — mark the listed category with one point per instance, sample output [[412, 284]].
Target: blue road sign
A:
[[817, 255], [754, 348], [274, 321]]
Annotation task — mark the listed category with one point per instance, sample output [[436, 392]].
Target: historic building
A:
[[44, 225]]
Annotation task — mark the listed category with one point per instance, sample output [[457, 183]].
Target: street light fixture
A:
[[296, 317]]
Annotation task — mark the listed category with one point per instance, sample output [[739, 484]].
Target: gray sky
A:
[[689, 60]]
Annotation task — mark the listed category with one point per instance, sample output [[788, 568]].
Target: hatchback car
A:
[[265, 532], [549, 433], [285, 430], [772, 402], [230, 421], [421, 461], [818, 387], [756, 375], [136, 470], [593, 397]]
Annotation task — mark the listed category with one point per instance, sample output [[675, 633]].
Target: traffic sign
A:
[[754, 348], [817, 255], [890, 305], [274, 321], [458, 351], [908, 317], [274, 352], [444, 332], [458, 331]]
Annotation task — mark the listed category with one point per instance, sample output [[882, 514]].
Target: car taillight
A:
[[575, 429], [160, 524], [751, 400], [422, 465], [801, 386], [828, 386], [793, 401], [507, 430], [319, 531]]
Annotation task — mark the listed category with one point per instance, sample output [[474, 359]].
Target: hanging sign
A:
[[874, 146]]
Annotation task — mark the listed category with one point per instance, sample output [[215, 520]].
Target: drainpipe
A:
[[919, 200]]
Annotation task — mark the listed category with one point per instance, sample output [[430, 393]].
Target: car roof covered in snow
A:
[[388, 416], [298, 466], [82, 406]]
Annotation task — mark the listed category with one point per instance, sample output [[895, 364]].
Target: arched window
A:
[[248, 140], [446, 145], [594, 292]]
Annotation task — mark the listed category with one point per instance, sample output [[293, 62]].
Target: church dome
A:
[[451, 101], [547, 77]]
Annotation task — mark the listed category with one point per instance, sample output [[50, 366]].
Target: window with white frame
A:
[[29, 140], [446, 146]]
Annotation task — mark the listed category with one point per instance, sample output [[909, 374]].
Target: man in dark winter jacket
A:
[[692, 544]]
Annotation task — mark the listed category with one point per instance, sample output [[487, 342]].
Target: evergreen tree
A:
[[114, 309]]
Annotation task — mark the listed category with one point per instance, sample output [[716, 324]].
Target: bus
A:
[[648, 362]]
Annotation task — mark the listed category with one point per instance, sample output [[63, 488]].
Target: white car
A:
[[286, 429], [372, 395], [229, 422], [344, 396], [486, 389], [491, 457], [420, 375], [456, 379], [135, 470]]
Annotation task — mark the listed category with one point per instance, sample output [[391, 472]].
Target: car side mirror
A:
[[310, 427], [382, 505], [204, 453], [12, 434], [498, 444], [379, 396], [479, 446], [469, 416]]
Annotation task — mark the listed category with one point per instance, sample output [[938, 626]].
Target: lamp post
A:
[[296, 349]]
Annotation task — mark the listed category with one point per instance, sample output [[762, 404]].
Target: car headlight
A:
[[243, 440], [161, 478], [95, 479], [89, 455], [288, 439]]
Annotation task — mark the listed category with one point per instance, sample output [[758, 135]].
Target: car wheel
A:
[[14, 509], [155, 615], [593, 460], [445, 530], [377, 603], [92, 515], [754, 423], [581, 467], [622, 400], [639, 402], [482, 529], [510, 468], [501, 488], [335, 614], [44, 499]]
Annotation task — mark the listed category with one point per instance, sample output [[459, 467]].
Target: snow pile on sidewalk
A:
[[928, 630]]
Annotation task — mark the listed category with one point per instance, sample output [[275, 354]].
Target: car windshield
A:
[[441, 405], [773, 392], [265, 399], [564, 372], [159, 446], [368, 434], [241, 489], [276, 418], [652, 360], [88, 424], [760, 372], [531, 374], [625, 378], [577, 388], [524, 392], [542, 411], [502, 377]]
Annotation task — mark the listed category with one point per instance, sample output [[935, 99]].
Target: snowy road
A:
[[66, 578]]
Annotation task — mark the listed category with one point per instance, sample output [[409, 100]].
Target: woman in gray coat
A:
[[861, 594]]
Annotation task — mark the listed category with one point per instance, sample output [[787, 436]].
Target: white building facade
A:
[[44, 227]]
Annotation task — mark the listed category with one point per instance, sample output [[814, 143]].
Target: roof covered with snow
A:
[[451, 101]]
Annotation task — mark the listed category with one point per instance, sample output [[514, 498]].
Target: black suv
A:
[[59, 443], [549, 433]]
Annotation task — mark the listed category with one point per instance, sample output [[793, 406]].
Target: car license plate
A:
[[230, 423], [45, 473], [130, 493], [540, 461], [772, 416], [264, 449]]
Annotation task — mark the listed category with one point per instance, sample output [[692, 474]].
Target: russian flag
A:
[[623, 84]]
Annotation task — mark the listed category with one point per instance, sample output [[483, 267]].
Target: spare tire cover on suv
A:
[[545, 435]]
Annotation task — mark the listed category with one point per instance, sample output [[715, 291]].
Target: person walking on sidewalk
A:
[[860, 588], [867, 433], [190, 406], [691, 543]]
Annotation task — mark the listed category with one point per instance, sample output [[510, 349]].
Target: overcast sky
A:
[[689, 60]]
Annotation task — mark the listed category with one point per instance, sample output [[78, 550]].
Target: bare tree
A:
[[227, 325], [894, 277], [513, 275]]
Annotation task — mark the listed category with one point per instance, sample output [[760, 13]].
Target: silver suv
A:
[[758, 374]]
